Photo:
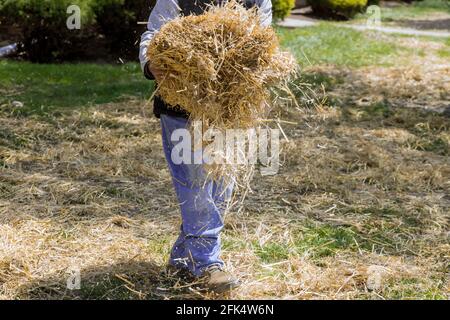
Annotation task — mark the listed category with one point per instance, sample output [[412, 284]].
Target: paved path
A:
[[296, 23], [299, 23]]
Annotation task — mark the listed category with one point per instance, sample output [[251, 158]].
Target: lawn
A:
[[417, 11], [324, 44], [43, 88], [359, 209]]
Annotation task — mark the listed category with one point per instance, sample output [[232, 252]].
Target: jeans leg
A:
[[202, 204]]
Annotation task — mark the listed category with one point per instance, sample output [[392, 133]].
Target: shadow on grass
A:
[[122, 281]]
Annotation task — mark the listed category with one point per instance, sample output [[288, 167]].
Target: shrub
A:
[[44, 36], [118, 22], [338, 8], [44, 33], [282, 8]]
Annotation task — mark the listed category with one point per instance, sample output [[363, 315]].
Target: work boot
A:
[[217, 280]]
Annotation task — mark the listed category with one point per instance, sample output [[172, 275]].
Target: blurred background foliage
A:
[[110, 29]]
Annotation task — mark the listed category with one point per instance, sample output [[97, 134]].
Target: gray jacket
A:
[[166, 10]]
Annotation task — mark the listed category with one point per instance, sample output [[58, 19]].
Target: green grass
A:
[[272, 252], [416, 10], [324, 240], [316, 241], [320, 240], [327, 44], [162, 246], [44, 88], [445, 52]]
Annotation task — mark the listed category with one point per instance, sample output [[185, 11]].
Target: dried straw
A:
[[220, 67]]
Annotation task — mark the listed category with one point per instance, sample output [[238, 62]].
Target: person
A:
[[196, 252]]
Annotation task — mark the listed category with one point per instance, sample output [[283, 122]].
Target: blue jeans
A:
[[203, 203]]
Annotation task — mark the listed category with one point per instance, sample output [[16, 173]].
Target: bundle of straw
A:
[[219, 66]]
